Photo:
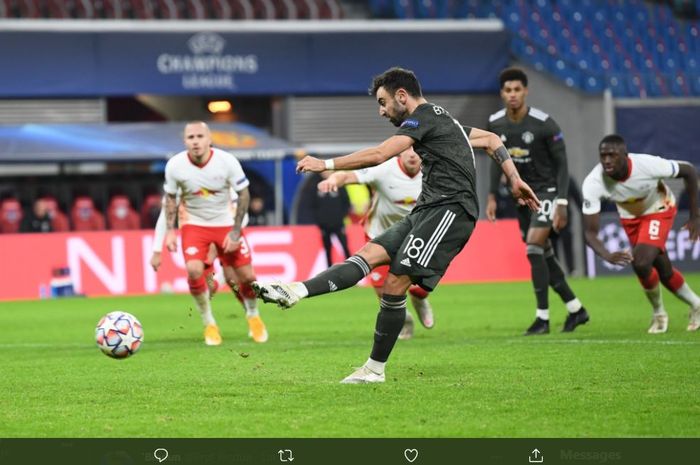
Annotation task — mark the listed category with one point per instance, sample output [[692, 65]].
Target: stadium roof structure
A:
[[114, 142]]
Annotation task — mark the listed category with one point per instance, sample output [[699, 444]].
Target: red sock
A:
[[197, 286], [675, 281], [651, 281], [246, 291], [417, 291]]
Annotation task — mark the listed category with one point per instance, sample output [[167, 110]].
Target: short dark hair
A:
[[614, 139], [394, 79], [512, 74]]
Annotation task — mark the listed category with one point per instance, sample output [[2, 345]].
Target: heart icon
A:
[[411, 454]]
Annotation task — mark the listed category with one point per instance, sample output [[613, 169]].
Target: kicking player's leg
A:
[[195, 245], [341, 275], [336, 278], [390, 320], [436, 236]]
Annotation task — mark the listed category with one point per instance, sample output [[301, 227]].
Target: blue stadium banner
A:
[[684, 253], [110, 63]]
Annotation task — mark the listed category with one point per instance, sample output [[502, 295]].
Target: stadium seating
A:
[[11, 215], [172, 9], [59, 220], [121, 215], [85, 217], [150, 209], [635, 48]]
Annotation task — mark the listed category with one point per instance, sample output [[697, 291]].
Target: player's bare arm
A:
[[494, 147], [337, 180], [170, 217], [482, 139], [591, 226], [690, 178], [156, 260], [233, 239], [361, 159]]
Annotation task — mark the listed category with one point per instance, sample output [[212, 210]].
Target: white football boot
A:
[[694, 319], [363, 375], [276, 293], [659, 324]]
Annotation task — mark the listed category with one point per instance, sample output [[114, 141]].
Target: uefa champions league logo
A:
[[206, 42]]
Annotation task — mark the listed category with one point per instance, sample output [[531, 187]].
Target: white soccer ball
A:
[[119, 334]]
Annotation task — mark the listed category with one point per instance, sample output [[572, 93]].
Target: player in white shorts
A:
[[395, 186], [647, 208], [203, 176]]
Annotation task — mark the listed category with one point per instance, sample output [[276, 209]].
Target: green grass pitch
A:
[[473, 375]]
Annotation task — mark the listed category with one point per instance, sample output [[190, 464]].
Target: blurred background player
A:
[[647, 208], [38, 219], [330, 207], [536, 145], [395, 188], [203, 176]]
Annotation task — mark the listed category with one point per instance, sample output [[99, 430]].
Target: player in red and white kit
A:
[[395, 185], [256, 330], [647, 207], [202, 176]]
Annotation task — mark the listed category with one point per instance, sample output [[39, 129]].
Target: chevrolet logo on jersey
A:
[[204, 192], [517, 152]]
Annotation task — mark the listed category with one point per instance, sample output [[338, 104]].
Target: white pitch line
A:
[[605, 341]]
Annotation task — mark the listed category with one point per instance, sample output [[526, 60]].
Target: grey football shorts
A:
[[423, 244], [542, 218]]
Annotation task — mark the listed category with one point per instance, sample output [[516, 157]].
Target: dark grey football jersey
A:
[[449, 174], [532, 144]]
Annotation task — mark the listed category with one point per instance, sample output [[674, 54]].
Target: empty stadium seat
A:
[[640, 48], [150, 210], [11, 215], [59, 220], [85, 217], [121, 215]]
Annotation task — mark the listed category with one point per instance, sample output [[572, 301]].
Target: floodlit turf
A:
[[473, 375]]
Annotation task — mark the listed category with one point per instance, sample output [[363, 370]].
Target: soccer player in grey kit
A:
[[419, 247], [536, 144]]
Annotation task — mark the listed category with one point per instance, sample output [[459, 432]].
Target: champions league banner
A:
[[684, 254], [104, 63]]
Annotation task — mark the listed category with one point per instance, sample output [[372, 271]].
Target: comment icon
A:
[[160, 454]]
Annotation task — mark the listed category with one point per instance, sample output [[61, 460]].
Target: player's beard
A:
[[399, 118]]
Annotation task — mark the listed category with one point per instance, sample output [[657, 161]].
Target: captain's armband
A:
[[501, 154]]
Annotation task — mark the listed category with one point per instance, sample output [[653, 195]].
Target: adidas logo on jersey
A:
[[332, 286], [406, 262]]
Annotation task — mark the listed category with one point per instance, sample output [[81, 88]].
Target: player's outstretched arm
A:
[[591, 226], [690, 178], [337, 180], [361, 159]]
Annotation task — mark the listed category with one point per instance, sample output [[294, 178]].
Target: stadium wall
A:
[[117, 262]]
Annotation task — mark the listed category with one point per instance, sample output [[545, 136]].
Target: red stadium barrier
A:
[[117, 262]]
